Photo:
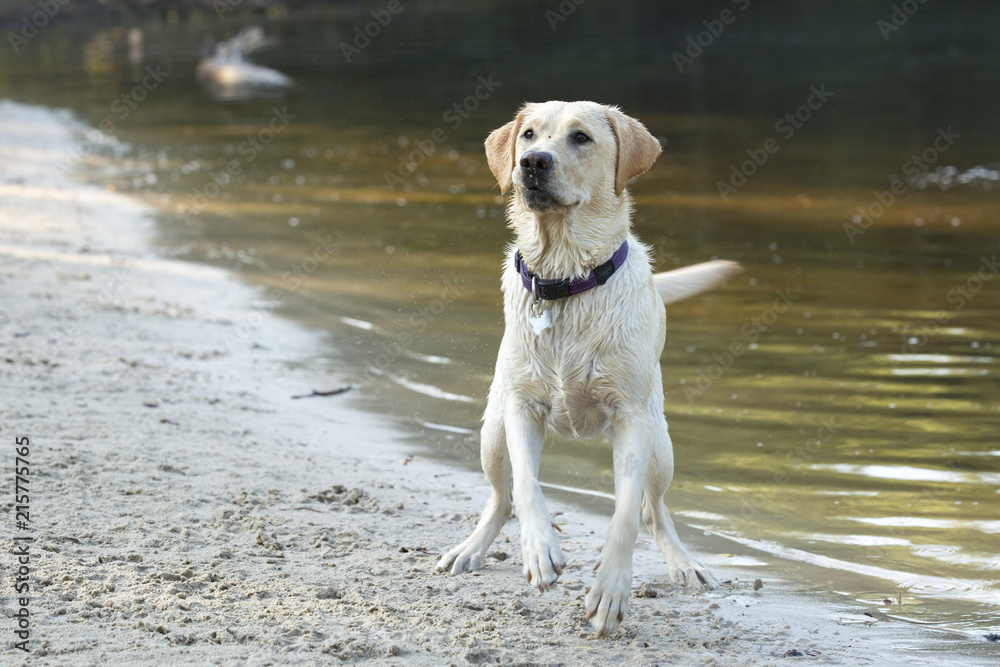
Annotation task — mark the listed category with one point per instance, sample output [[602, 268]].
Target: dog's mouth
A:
[[540, 200]]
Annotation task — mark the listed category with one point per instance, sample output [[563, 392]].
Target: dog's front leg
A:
[[608, 598], [543, 560], [470, 554]]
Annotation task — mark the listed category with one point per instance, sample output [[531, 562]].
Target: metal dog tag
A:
[[541, 322], [541, 318]]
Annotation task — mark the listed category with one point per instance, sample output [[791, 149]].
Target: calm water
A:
[[836, 408]]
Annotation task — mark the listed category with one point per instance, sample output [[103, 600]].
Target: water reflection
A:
[[909, 473], [916, 585]]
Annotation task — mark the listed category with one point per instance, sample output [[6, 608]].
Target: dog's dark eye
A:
[[529, 134], [580, 138]]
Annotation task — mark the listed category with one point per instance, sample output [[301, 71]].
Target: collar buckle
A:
[[549, 289]]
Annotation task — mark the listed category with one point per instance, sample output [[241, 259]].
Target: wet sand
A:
[[186, 510]]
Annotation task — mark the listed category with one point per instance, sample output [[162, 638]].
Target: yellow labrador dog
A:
[[585, 326]]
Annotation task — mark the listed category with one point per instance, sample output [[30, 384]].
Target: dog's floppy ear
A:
[[637, 148], [500, 151]]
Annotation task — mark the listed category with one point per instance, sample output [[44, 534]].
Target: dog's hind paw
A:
[[692, 575], [462, 558]]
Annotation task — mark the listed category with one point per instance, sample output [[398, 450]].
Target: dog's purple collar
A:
[[548, 289]]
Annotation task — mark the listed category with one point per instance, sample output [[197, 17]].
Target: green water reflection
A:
[[858, 422]]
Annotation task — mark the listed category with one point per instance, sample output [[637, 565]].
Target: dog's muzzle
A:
[[536, 167]]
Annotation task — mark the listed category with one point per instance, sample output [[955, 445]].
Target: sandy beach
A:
[[184, 509]]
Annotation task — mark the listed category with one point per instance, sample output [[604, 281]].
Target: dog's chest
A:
[[570, 376], [595, 360], [575, 416]]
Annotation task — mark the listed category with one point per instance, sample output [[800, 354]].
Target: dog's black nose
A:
[[536, 161]]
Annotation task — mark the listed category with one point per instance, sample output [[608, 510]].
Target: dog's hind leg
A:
[[468, 556], [684, 569]]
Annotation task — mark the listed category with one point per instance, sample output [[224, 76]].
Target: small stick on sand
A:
[[332, 392]]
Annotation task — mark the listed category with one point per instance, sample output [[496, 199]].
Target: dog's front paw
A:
[[689, 573], [607, 600], [465, 557], [543, 559]]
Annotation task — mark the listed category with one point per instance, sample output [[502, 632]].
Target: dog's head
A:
[[559, 155]]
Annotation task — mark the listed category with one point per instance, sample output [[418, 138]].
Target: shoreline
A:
[[185, 510]]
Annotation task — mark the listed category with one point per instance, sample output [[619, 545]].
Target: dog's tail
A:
[[682, 283]]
